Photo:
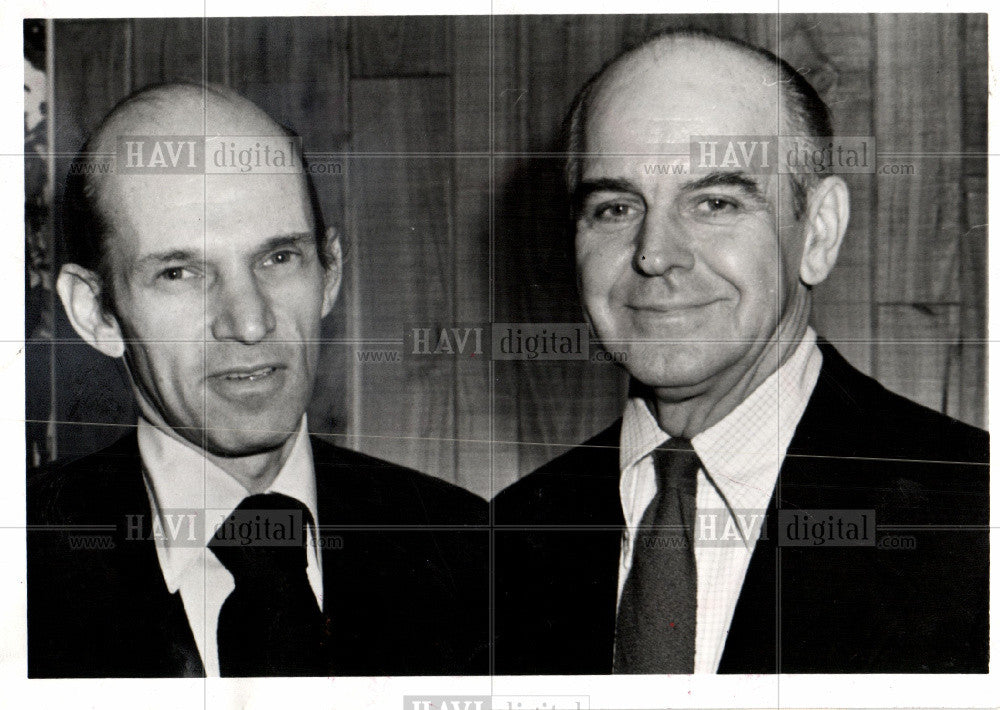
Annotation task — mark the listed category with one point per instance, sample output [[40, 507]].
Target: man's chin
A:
[[248, 438], [682, 368], [244, 447]]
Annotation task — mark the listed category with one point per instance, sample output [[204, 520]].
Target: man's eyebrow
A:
[[588, 187], [164, 257], [175, 255], [735, 178], [286, 240]]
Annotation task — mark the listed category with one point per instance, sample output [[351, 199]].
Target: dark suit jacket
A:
[[407, 600], [801, 609]]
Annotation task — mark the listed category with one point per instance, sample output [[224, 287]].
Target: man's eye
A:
[[279, 258], [614, 212], [716, 205], [176, 273]]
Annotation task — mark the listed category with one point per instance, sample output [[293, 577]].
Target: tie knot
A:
[[676, 464], [264, 536]]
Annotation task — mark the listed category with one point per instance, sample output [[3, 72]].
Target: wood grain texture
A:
[[171, 50], [472, 283], [919, 221], [509, 135], [968, 390], [919, 119], [90, 75], [561, 53], [508, 84], [470, 69], [974, 93], [916, 351], [472, 218], [386, 47], [969, 394], [405, 254]]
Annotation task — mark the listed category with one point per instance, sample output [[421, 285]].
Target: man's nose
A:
[[661, 245], [244, 311]]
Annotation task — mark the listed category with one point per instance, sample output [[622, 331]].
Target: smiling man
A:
[[726, 523], [231, 542]]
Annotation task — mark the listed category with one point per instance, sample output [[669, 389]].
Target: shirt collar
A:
[[743, 452], [182, 482]]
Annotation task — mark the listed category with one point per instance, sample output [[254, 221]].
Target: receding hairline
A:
[[664, 47], [175, 108]]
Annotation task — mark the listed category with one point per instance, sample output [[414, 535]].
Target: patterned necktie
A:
[[270, 625], [655, 629]]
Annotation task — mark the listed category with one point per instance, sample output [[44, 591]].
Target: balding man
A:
[[726, 523], [231, 542]]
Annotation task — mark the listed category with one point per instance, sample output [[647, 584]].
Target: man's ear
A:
[[827, 213], [334, 271], [80, 292]]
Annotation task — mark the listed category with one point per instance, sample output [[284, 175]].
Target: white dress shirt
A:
[[190, 497], [741, 456]]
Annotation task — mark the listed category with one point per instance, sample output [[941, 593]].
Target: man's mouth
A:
[[670, 308], [255, 385], [248, 374], [251, 376]]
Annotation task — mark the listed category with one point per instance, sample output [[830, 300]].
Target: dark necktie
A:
[[655, 629], [270, 625]]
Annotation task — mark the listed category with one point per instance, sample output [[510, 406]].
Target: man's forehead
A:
[[681, 90], [174, 197], [224, 212]]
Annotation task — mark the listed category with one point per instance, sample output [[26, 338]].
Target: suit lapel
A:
[[154, 620], [329, 503], [752, 645], [351, 504], [580, 575], [601, 592]]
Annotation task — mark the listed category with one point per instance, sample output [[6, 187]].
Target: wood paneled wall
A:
[[452, 213]]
